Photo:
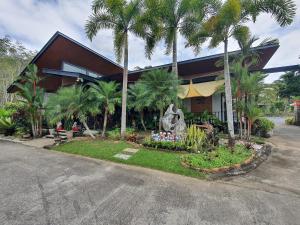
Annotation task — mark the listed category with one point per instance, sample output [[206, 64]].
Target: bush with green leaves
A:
[[168, 145], [116, 133], [263, 126], [221, 157], [19, 116], [7, 126], [290, 121], [195, 139]]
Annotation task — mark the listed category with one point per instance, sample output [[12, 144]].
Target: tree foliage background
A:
[[14, 57], [289, 85]]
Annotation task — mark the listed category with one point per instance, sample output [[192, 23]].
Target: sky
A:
[[33, 22]]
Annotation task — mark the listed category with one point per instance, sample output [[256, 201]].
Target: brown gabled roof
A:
[[59, 34], [204, 66], [61, 48]]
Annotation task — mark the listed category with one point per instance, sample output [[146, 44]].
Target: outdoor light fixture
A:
[[79, 79]]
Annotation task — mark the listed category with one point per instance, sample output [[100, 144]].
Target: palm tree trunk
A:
[[33, 125], [228, 94], [241, 124], [174, 63], [41, 124], [88, 129], [142, 120], [104, 122], [32, 128], [124, 90], [161, 113], [249, 129]]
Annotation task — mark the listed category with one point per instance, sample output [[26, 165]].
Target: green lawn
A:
[[106, 149]]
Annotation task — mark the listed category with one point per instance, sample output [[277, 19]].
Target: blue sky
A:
[[33, 22]]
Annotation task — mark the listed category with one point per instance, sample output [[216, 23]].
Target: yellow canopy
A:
[[199, 90]]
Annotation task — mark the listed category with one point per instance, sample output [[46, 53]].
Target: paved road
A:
[[43, 187]]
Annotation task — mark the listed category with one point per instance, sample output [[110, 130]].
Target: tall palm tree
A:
[[245, 88], [162, 88], [107, 95], [176, 17], [139, 99], [33, 97], [69, 102], [123, 17], [230, 19]]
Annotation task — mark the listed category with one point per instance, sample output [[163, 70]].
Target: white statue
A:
[[173, 120]]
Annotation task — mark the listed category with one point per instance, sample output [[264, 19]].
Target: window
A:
[[77, 69]]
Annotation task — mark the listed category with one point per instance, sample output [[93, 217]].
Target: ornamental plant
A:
[[195, 138]]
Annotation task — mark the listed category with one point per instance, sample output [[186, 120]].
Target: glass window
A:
[[92, 74], [71, 68], [77, 69]]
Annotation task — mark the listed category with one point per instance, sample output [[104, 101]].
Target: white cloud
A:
[[33, 22]]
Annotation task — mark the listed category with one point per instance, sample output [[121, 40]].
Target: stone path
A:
[[126, 153], [37, 143]]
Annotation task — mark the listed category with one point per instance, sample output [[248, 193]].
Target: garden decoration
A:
[[173, 121]]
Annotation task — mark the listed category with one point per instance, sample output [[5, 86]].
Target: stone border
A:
[[237, 169]]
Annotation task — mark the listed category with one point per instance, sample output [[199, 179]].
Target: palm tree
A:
[[175, 17], [70, 102], [139, 99], [245, 86], [162, 89], [107, 95], [123, 17], [228, 20], [253, 113], [33, 97]]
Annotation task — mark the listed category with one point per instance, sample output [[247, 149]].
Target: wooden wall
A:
[[201, 104]]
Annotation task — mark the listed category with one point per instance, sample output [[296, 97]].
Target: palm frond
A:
[[284, 11], [98, 21]]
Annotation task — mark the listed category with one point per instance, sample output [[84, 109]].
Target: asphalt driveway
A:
[[43, 187]]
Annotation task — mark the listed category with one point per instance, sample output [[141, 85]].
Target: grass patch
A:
[[219, 158], [258, 140], [106, 149]]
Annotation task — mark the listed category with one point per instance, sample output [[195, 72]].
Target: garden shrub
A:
[[19, 117], [116, 133], [169, 145], [195, 138], [290, 121], [221, 157], [7, 126], [262, 126]]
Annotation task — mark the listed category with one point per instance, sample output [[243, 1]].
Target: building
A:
[[64, 61]]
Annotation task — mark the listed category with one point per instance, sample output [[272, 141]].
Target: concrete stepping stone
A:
[[130, 151], [126, 153], [122, 156]]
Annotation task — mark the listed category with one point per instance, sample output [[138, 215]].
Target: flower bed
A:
[[220, 160]]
